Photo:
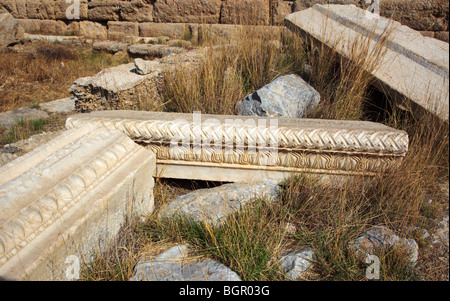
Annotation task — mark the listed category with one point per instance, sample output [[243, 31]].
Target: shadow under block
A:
[[412, 67], [70, 197], [251, 149]]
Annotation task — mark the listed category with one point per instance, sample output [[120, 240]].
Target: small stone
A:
[[171, 266], [144, 67], [214, 205], [296, 263]]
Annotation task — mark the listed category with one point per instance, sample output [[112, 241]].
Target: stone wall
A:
[[95, 16]]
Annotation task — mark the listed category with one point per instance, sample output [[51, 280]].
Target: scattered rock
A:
[[144, 67], [150, 51], [287, 96], [171, 266], [422, 233], [109, 46], [381, 237], [215, 204], [10, 30], [116, 88], [296, 263]]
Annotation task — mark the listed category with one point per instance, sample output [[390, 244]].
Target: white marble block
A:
[[412, 67], [70, 197], [253, 149]]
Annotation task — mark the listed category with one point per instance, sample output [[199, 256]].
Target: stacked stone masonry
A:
[[98, 18]]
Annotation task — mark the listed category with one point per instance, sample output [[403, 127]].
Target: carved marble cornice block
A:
[[412, 66], [243, 148], [70, 197]]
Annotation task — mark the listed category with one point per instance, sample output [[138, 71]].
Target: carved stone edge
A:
[[29, 222], [154, 132]]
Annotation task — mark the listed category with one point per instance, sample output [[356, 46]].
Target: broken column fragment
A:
[[70, 197]]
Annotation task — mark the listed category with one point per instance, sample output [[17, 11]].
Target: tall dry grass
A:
[[41, 72]]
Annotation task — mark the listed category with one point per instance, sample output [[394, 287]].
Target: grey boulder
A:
[[170, 266], [288, 96], [10, 30]]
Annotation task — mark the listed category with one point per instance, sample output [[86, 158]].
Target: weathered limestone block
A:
[[50, 27], [136, 11], [109, 46], [430, 15], [287, 96], [412, 66], [297, 262], [10, 30], [187, 11], [119, 30], [41, 9], [251, 149], [88, 29], [304, 4], [117, 88], [70, 197], [149, 51], [144, 67], [249, 12], [52, 9], [171, 30], [214, 205], [104, 11]]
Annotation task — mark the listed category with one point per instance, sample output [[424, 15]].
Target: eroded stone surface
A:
[[296, 263], [170, 266], [412, 66], [381, 237], [70, 197], [116, 88]]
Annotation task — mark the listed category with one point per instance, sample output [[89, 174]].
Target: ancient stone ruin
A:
[[413, 67], [71, 195]]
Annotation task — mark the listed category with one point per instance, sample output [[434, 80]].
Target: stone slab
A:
[[10, 118], [70, 197], [214, 205], [219, 147], [413, 66]]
